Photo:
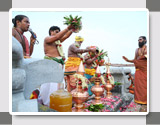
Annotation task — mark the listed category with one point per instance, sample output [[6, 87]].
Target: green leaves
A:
[[76, 22], [71, 17], [101, 55], [118, 83], [95, 108]]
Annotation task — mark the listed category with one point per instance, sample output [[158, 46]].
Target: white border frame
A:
[[73, 9]]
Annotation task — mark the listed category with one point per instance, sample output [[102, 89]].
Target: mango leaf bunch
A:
[[76, 22], [96, 108]]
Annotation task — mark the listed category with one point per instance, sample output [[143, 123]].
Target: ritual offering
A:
[[76, 22], [100, 59], [97, 90], [99, 54], [80, 94], [92, 54], [61, 100]]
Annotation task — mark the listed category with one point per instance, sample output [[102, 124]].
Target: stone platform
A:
[[117, 103]]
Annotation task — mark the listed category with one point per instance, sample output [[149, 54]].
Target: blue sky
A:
[[114, 31]]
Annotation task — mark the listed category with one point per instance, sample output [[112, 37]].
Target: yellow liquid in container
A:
[[61, 101]]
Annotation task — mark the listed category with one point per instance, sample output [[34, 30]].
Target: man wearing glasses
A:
[[140, 61]]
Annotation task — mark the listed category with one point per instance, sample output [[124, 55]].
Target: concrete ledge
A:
[[28, 106], [119, 70], [15, 100]]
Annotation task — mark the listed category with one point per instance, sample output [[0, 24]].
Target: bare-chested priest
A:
[[52, 44], [74, 59]]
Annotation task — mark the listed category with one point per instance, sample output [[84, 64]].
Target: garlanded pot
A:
[[97, 90], [79, 96], [110, 81]]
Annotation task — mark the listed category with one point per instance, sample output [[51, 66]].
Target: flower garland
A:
[[83, 79], [94, 64], [60, 49], [111, 79], [102, 79]]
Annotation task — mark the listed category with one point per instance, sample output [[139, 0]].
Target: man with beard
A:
[[74, 59], [140, 61], [21, 25]]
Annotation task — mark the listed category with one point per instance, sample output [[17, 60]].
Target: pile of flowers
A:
[[132, 107], [111, 105], [76, 22], [108, 105]]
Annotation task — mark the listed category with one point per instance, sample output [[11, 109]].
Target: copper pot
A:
[[79, 97], [97, 90], [108, 87]]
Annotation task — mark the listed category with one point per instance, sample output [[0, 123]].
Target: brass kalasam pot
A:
[[79, 96], [108, 87], [97, 90]]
